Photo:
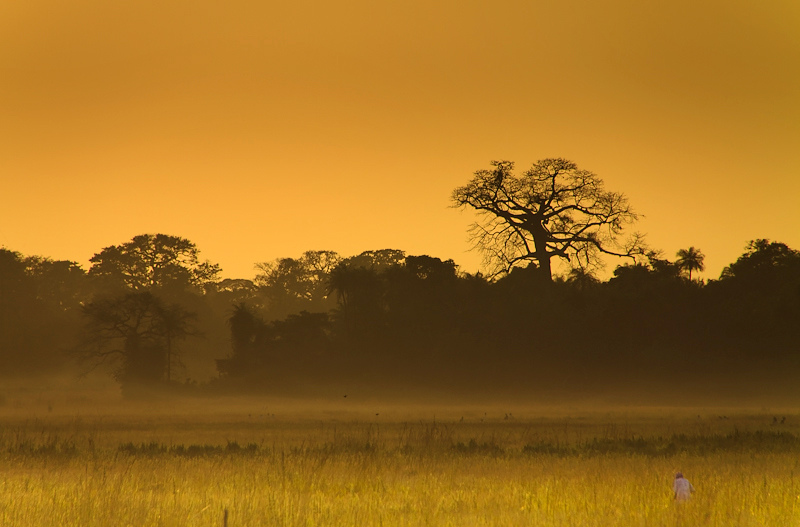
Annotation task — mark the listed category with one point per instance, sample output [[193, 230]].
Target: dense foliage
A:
[[389, 321]]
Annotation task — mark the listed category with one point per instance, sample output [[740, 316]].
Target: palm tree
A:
[[690, 259]]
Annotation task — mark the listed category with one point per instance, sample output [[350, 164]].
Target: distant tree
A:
[[422, 305], [376, 260], [295, 342], [175, 324], [360, 285], [151, 261], [14, 279], [757, 304], [231, 291], [646, 276], [275, 354], [430, 268], [690, 260], [662, 268], [552, 210], [764, 261], [136, 332], [582, 278], [39, 312], [58, 283], [358, 289], [245, 326], [292, 285], [246, 330], [321, 263], [423, 289], [421, 286], [17, 303]]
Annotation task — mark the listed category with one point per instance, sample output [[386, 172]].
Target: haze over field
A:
[[238, 282], [261, 130], [284, 193]]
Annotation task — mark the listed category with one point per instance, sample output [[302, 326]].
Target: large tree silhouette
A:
[[151, 261], [137, 333], [554, 209]]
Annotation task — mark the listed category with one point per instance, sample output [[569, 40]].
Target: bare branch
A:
[[552, 209]]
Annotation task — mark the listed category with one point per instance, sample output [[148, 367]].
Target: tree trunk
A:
[[545, 271], [542, 255]]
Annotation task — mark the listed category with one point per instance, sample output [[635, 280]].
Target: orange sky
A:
[[263, 129]]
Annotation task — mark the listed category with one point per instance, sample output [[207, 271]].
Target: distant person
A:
[[682, 488]]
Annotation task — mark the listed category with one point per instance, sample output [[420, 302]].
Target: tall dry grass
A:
[[598, 469]]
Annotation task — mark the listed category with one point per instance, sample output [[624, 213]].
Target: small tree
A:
[[690, 260], [136, 333], [247, 331]]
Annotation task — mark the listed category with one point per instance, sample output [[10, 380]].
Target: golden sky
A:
[[261, 129]]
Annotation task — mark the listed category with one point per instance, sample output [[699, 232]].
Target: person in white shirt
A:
[[682, 488]]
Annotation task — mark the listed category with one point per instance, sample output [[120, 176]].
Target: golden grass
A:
[[293, 468]]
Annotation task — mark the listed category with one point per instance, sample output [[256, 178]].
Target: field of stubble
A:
[[265, 463]]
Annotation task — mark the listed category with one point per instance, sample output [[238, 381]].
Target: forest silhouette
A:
[[156, 318]]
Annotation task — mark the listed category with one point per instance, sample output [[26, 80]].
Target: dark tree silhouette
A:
[[377, 260], [137, 332], [359, 291], [756, 305], [245, 326], [554, 209], [582, 278], [39, 312], [175, 324], [17, 303], [689, 260], [423, 304], [764, 261], [357, 280], [291, 285], [247, 330], [417, 323], [275, 354], [230, 291], [152, 261]]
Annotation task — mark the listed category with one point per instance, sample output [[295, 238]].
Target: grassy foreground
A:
[[358, 468]]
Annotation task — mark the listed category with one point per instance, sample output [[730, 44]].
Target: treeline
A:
[[151, 313]]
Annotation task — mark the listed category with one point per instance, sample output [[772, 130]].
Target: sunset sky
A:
[[262, 129]]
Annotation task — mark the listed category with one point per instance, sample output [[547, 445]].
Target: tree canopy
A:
[[391, 321], [553, 209], [689, 260], [764, 260], [153, 261], [138, 332], [291, 285]]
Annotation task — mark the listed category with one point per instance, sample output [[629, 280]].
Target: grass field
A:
[[271, 463]]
